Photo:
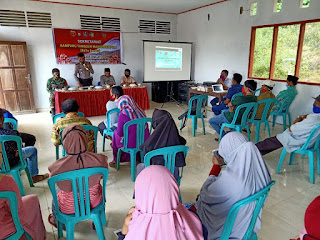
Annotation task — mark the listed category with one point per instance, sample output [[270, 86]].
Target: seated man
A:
[[70, 107], [107, 78], [127, 79], [224, 80], [116, 92], [296, 135], [29, 154], [290, 91], [226, 117], [236, 88], [266, 93]]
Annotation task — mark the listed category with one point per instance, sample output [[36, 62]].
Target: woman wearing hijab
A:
[[165, 134], [246, 174], [75, 143], [158, 214], [28, 210], [129, 110]]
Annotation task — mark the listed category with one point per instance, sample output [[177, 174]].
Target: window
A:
[[304, 3], [282, 49], [277, 6], [253, 9]]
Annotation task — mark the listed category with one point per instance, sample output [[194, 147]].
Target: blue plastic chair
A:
[[259, 198], [108, 131], [12, 121], [257, 92], [54, 119], [284, 112], [201, 104], [248, 108], [13, 203], [169, 156], [140, 125], [80, 189], [87, 128], [16, 170], [268, 104], [236, 95], [306, 149]]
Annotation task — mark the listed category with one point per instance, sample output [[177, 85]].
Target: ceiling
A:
[[163, 6]]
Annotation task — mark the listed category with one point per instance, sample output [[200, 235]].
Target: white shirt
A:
[[228, 82]]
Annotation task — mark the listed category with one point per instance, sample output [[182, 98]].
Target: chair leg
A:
[[103, 218], [70, 230], [254, 237], [291, 158], [284, 122], [181, 125], [180, 198], [60, 226], [118, 158], [204, 128], [257, 132], [57, 153], [194, 126], [196, 122], [16, 176], [274, 120], [318, 160], [133, 162], [289, 118], [29, 177], [283, 154], [141, 156], [268, 126], [98, 225], [103, 142], [221, 131], [248, 131], [311, 166]]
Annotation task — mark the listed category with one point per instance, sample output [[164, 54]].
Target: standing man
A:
[[84, 69], [127, 79], [224, 80], [56, 82], [107, 78]]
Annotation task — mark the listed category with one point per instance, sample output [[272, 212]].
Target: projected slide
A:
[[168, 59]]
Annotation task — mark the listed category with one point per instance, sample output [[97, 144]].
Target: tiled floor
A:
[[283, 213]]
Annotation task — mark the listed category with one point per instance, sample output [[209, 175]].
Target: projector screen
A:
[[167, 61]]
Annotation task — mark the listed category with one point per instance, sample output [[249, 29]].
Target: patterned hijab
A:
[[130, 108]]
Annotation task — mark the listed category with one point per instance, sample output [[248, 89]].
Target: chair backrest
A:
[[13, 122], [169, 155], [286, 103], [244, 109], [268, 104], [13, 203], [5, 163], [259, 198], [55, 117], [108, 115], [307, 144], [140, 124], [236, 95], [257, 92], [200, 102], [80, 188]]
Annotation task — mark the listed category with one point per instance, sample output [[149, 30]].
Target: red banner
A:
[[99, 47]]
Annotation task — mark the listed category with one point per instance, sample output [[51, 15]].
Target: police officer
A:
[[84, 69]]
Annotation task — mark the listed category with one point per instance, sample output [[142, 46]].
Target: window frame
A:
[[274, 47]]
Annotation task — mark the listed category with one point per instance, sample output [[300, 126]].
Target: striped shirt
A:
[[71, 118]]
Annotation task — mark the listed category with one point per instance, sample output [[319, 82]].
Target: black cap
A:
[[317, 98]]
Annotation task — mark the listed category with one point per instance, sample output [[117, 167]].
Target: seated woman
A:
[[246, 173], [28, 210], [165, 134], [75, 142], [158, 213], [129, 110]]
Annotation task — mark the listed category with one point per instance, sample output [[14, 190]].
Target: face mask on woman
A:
[[316, 109], [243, 91]]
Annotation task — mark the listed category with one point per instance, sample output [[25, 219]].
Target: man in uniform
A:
[[56, 82], [107, 78], [127, 79], [84, 69]]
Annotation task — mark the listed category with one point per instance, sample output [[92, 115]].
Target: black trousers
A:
[[268, 145], [85, 82], [101, 127], [28, 139]]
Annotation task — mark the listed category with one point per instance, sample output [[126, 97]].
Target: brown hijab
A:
[[75, 143]]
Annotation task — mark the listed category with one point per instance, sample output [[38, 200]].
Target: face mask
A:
[[263, 90], [243, 91], [316, 109], [127, 75], [222, 77]]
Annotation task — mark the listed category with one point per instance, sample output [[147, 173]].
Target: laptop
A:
[[217, 88]]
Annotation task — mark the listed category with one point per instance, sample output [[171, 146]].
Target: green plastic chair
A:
[[264, 117], [108, 131], [87, 128], [283, 111], [12, 121], [201, 104], [306, 149], [237, 95], [169, 156], [140, 125], [259, 198], [13, 203], [247, 108], [80, 189], [257, 92], [16, 170], [54, 119]]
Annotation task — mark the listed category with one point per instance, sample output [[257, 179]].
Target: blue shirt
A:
[[8, 114], [233, 90]]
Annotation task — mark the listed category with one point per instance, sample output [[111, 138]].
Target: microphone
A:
[[85, 66]]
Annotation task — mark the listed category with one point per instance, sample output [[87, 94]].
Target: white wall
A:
[[41, 48], [224, 41]]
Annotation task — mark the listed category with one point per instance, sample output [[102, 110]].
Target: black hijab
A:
[[165, 134]]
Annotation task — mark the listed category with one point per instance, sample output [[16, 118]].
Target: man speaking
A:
[[84, 69]]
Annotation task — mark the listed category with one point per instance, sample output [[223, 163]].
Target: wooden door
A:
[[15, 79]]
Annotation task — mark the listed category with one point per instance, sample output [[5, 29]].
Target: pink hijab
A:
[[159, 214]]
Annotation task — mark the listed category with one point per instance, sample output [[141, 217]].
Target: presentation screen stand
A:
[[169, 97]]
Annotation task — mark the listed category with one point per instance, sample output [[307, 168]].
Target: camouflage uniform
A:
[[52, 84]]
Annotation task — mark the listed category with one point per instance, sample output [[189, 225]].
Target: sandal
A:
[[112, 164], [51, 221], [39, 178]]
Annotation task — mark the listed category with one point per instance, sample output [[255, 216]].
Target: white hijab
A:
[[246, 173]]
